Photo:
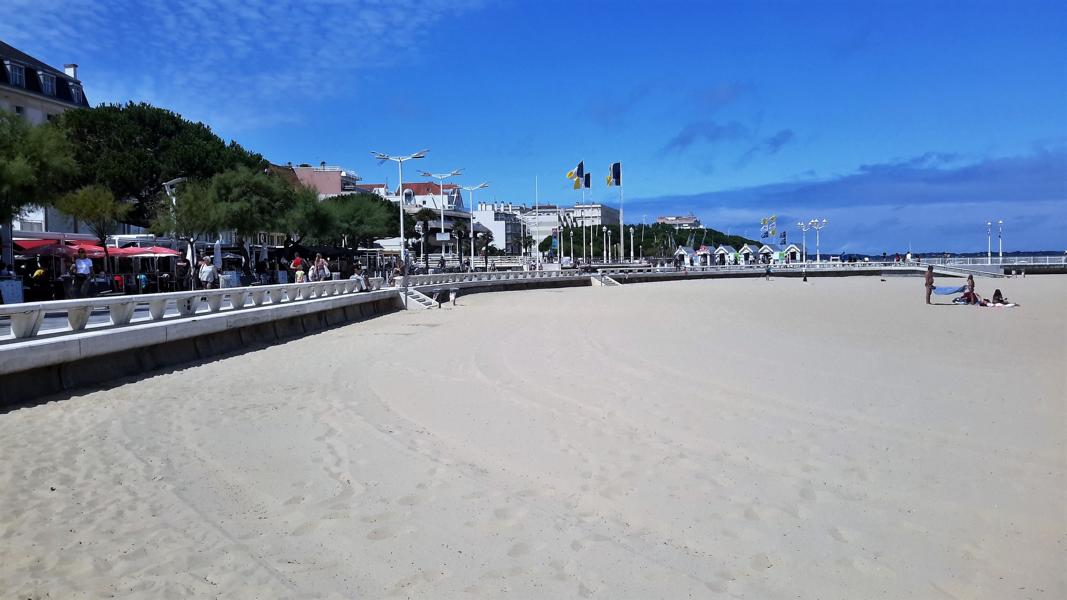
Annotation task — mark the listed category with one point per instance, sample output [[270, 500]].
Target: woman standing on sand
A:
[[929, 282]]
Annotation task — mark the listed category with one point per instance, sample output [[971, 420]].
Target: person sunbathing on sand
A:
[[998, 299]]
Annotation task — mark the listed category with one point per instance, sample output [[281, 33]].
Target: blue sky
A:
[[901, 122]]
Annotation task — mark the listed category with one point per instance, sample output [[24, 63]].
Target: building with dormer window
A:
[[38, 93]]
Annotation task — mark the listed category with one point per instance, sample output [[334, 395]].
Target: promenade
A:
[[739, 437]]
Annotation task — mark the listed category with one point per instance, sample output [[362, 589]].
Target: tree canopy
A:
[[361, 218], [133, 149], [95, 206], [36, 164]]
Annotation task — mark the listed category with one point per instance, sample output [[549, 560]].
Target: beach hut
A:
[[705, 256], [793, 253], [725, 255], [686, 255], [748, 253], [770, 253]]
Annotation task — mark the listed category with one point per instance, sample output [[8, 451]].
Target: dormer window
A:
[[75, 94], [16, 74], [48, 84]]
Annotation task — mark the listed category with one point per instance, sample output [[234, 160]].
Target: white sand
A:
[[718, 438]]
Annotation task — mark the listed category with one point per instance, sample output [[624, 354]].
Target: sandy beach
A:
[[726, 438]]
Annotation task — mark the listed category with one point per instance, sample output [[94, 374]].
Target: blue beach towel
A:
[[948, 291]]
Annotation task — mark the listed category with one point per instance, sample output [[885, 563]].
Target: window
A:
[[18, 110], [48, 84], [75, 94], [17, 74]]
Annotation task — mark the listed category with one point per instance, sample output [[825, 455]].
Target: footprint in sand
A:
[[411, 500], [807, 493], [751, 514], [294, 500], [379, 517], [840, 535], [760, 561], [305, 528], [380, 533], [518, 550]]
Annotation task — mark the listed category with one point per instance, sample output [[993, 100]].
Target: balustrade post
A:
[[187, 306], [78, 317], [214, 302], [121, 313], [26, 324]]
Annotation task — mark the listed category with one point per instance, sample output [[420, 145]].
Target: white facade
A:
[[584, 215], [505, 224], [687, 222]]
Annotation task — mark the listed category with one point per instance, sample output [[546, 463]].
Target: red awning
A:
[[151, 251], [34, 244]]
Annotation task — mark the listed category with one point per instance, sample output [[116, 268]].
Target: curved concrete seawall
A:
[[42, 366]]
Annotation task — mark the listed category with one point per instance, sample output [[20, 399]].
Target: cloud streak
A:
[[235, 64], [706, 132], [934, 196], [767, 146]]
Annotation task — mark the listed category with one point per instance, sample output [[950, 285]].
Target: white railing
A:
[[449, 278], [1007, 260], [26, 318]]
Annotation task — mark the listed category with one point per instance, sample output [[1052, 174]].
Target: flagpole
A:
[[537, 219], [583, 223], [622, 220]]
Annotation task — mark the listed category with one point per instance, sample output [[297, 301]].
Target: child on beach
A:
[[929, 282]]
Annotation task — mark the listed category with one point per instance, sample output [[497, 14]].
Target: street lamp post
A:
[[572, 247], [605, 249], [817, 225], [441, 177], [804, 227], [471, 189], [631, 243], [609, 248], [988, 242], [1000, 242], [399, 160]]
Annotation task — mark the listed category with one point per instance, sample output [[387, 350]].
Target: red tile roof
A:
[[428, 188]]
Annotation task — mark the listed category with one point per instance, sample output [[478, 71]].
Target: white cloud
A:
[[233, 64]]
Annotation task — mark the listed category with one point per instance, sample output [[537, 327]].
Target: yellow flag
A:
[[577, 184], [570, 174], [610, 180]]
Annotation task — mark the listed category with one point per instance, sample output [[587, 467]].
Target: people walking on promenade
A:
[[320, 270], [182, 272], [82, 269], [208, 275]]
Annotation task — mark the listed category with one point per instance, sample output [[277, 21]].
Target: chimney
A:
[[71, 70]]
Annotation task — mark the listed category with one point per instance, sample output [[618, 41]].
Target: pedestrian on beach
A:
[[969, 295], [929, 282], [208, 275]]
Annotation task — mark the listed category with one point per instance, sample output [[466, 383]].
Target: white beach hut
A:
[[686, 254], [770, 253], [793, 253], [725, 255], [748, 253]]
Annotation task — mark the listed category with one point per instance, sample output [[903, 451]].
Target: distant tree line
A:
[[108, 165]]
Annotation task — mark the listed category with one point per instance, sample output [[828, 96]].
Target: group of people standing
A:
[[969, 293]]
